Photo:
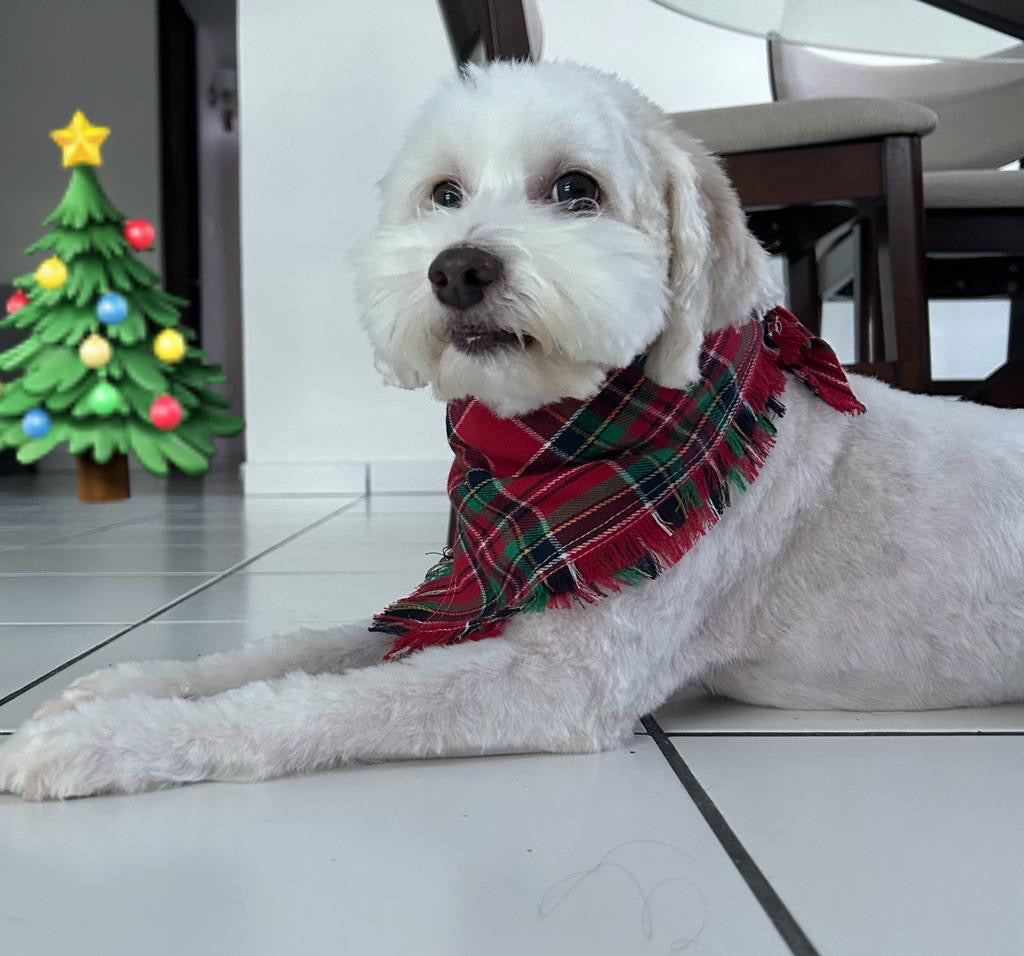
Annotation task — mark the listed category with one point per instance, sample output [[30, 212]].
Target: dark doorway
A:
[[179, 157]]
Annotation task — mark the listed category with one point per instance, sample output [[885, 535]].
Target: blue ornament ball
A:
[[36, 423], [112, 308]]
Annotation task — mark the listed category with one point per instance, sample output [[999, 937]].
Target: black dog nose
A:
[[460, 275]]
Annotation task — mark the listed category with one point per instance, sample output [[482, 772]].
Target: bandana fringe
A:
[[643, 546]]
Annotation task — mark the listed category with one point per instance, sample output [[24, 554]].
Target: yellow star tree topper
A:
[[80, 141]]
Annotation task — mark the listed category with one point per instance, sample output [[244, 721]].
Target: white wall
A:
[[323, 99], [322, 111]]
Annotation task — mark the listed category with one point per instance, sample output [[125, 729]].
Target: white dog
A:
[[876, 563]]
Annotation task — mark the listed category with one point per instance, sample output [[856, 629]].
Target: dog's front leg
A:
[[313, 651], [479, 698]]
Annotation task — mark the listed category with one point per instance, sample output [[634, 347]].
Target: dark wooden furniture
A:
[[807, 173], [878, 179], [484, 30], [179, 157], [975, 254], [970, 254]]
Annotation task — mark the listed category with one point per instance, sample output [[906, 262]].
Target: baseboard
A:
[[304, 478], [345, 477], [409, 477]]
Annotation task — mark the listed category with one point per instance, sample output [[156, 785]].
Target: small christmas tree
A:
[[106, 366]]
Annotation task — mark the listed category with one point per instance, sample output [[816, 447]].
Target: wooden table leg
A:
[[867, 305], [450, 538], [901, 270]]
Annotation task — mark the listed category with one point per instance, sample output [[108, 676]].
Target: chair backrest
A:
[[980, 103]]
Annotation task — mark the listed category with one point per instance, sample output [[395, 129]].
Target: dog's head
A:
[[541, 225]]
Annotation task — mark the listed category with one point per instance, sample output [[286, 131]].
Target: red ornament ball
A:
[[17, 301], [140, 234], [166, 413]]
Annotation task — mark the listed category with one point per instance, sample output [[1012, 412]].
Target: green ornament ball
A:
[[104, 399]]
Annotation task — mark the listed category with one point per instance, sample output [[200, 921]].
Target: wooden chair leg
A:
[[901, 269], [802, 285], [1004, 388], [1015, 346]]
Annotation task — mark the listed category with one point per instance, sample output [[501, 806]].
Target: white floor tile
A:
[[692, 711], [85, 599], [441, 858], [227, 520], [901, 845], [19, 537], [28, 652], [878, 844], [403, 504], [347, 555], [416, 528], [153, 641], [151, 535], [72, 517], [140, 559], [276, 600]]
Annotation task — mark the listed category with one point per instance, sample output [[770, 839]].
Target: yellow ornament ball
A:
[[95, 351], [169, 346], [52, 273]]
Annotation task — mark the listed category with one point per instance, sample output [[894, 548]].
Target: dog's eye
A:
[[447, 194], [576, 190]]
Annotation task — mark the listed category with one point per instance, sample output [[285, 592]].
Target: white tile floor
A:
[[726, 829]]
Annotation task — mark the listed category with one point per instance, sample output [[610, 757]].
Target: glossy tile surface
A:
[[276, 600], [34, 651], [881, 844], [694, 712], [90, 598], [870, 843], [27, 652], [436, 859]]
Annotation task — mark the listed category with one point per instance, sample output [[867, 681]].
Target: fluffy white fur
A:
[[877, 563]]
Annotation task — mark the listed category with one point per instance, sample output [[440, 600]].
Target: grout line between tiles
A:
[[106, 574], [138, 519], [776, 911], [843, 733], [227, 572]]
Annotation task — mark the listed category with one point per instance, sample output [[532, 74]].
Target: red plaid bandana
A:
[[579, 498]]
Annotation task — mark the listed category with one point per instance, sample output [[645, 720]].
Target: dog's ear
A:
[[718, 273]]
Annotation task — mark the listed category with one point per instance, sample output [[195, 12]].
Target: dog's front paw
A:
[[54, 758], [106, 746], [150, 679]]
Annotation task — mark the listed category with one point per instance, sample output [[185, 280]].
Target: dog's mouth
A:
[[479, 340]]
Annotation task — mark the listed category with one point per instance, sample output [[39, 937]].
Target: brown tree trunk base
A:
[[107, 482]]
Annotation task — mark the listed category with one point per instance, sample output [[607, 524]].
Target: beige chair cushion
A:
[[979, 102], [744, 129], [974, 189]]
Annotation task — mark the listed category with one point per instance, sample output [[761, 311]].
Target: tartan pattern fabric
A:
[[580, 498]]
